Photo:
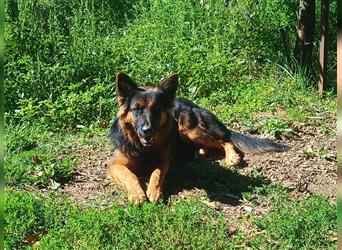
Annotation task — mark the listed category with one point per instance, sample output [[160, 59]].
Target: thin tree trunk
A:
[[339, 59], [305, 32], [323, 46]]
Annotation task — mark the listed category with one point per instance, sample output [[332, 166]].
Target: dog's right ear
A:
[[125, 87]]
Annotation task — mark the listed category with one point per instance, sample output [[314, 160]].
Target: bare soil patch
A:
[[90, 184], [309, 167]]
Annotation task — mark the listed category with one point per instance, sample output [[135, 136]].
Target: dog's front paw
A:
[[154, 194], [232, 159], [136, 196]]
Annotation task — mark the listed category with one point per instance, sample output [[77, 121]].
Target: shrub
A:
[[62, 55]]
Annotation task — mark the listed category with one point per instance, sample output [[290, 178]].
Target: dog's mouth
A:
[[146, 141]]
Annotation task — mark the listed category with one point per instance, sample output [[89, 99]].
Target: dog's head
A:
[[145, 111]]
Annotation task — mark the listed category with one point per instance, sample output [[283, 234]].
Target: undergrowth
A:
[[62, 56]]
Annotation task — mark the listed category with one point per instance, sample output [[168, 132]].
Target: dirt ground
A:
[[309, 167]]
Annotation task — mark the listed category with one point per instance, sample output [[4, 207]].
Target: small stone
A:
[[232, 231], [248, 209]]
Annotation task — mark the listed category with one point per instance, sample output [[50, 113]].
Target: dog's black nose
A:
[[147, 130]]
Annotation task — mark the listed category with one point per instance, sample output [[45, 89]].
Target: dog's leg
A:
[[210, 154], [212, 148], [127, 180], [155, 187], [232, 158]]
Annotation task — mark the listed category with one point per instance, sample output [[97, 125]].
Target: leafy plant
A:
[[62, 56]]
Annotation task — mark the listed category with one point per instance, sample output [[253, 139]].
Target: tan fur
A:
[[211, 148], [155, 186], [121, 173]]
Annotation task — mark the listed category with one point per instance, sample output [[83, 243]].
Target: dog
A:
[[154, 130]]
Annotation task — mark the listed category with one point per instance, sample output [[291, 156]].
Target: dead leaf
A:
[[31, 238], [36, 159]]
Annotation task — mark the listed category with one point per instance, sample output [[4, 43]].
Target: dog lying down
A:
[[154, 131]]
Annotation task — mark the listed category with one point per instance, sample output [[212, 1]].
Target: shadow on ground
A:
[[220, 184]]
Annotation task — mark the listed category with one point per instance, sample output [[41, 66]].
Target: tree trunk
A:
[[339, 62], [323, 47], [305, 32]]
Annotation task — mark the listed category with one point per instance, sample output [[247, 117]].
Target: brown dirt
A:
[[308, 168], [90, 184]]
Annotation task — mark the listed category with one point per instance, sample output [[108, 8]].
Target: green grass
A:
[[297, 224], [37, 158], [60, 225], [40, 159], [54, 223], [37, 167], [48, 220]]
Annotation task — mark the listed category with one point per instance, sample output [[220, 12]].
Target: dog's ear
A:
[[125, 87], [169, 86]]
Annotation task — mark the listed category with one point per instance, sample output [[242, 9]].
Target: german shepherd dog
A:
[[154, 131]]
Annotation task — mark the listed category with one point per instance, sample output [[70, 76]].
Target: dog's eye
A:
[[136, 109]]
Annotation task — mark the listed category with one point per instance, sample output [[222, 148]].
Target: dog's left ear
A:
[[169, 86]]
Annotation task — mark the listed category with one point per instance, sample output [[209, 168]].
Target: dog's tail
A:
[[249, 144]]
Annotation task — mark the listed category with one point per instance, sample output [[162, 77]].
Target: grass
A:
[[36, 158], [296, 224], [271, 105], [51, 222], [58, 225], [39, 159]]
